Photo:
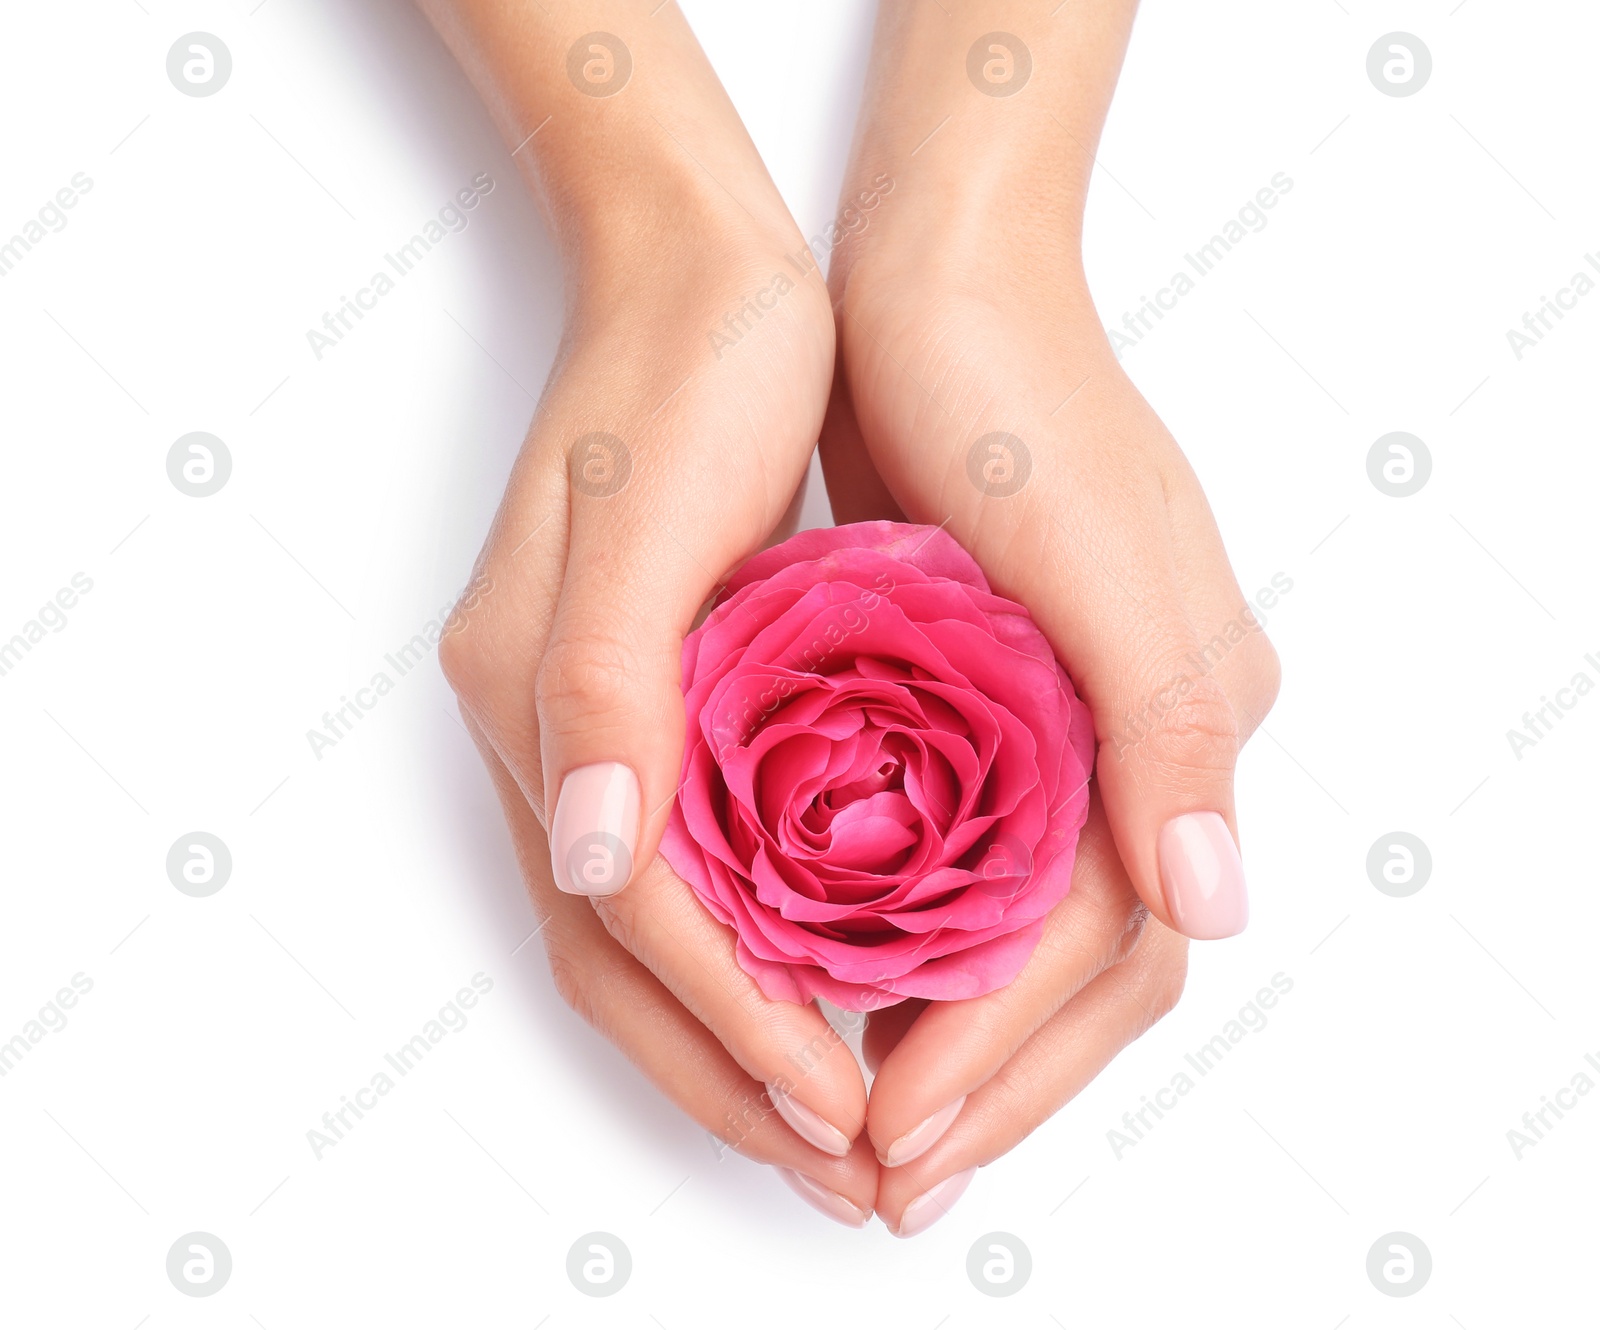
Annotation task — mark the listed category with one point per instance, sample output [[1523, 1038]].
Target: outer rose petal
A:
[[917, 547], [885, 772]]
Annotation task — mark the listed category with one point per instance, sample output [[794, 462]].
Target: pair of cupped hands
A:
[[953, 373]]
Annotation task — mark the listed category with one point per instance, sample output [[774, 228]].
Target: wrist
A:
[[639, 209], [989, 236], [663, 255], [988, 124], [625, 135]]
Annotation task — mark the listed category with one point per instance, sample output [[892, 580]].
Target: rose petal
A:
[[885, 770]]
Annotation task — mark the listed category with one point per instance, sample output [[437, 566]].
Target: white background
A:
[[369, 886]]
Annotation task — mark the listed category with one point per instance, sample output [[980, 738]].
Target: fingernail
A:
[[818, 1197], [927, 1209], [595, 829], [921, 1138], [811, 1125], [1202, 876]]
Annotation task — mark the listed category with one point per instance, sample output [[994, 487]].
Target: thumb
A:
[[1167, 734], [1169, 740], [609, 704]]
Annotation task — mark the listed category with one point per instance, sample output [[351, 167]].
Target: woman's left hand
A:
[[976, 390]]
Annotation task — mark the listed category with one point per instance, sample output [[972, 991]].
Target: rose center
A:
[[889, 775]]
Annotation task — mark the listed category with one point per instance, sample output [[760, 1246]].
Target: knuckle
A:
[[592, 981], [1115, 921], [1024, 1081], [1150, 982], [569, 982], [1090, 941], [1003, 1020], [742, 1125], [1155, 976], [1132, 930], [619, 920], [581, 677], [463, 642], [1261, 690], [1198, 732], [1168, 982], [463, 654]]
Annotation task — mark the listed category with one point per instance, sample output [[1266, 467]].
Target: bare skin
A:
[[958, 311], [962, 311]]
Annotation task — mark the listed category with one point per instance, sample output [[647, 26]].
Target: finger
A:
[[600, 980], [1168, 736], [497, 632], [808, 1069], [955, 1047], [1249, 673], [1048, 1070], [1080, 535], [1086, 544], [651, 533]]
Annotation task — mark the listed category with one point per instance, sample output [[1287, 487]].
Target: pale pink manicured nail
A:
[[1202, 876], [595, 829], [920, 1139], [932, 1206], [812, 1126], [818, 1197]]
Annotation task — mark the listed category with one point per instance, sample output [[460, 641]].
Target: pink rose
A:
[[885, 770]]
